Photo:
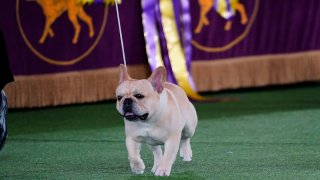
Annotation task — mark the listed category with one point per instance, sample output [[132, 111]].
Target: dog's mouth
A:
[[130, 116]]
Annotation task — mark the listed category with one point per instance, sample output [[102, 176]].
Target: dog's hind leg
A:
[[187, 132], [87, 19], [185, 149]]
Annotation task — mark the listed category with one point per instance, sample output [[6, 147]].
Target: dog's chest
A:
[[149, 140], [148, 135]]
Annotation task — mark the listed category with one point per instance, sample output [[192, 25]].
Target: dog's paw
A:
[[153, 170], [137, 167], [186, 153], [162, 171], [187, 158]]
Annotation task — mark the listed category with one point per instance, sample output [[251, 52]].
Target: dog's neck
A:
[[163, 100]]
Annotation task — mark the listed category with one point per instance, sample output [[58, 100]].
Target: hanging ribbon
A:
[[186, 33], [164, 49], [165, 24], [176, 54], [151, 33]]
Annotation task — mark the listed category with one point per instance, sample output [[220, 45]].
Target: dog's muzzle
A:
[[133, 117], [128, 113]]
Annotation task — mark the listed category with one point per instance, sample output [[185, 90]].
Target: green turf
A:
[[271, 133]]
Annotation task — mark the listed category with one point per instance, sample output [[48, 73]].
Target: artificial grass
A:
[[270, 133]]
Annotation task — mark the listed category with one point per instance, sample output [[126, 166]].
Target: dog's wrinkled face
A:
[[136, 99], [139, 99]]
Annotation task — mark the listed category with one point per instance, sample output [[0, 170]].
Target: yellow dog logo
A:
[[225, 8], [52, 9]]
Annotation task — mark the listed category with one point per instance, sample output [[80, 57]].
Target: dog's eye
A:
[[119, 98], [139, 96]]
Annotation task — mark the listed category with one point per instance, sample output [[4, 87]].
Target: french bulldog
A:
[[157, 113]]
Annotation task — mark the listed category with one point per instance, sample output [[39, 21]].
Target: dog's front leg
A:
[[171, 148], [136, 163]]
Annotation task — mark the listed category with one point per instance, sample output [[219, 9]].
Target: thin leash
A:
[[120, 33]]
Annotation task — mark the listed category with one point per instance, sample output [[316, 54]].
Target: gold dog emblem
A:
[[52, 9], [225, 8]]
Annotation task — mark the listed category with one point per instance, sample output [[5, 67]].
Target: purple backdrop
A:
[[106, 54], [279, 27]]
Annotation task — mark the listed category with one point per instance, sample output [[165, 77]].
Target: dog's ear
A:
[[123, 73], [158, 78]]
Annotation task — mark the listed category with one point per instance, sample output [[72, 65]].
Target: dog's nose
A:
[[127, 102]]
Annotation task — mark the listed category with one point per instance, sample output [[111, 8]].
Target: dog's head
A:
[[139, 99]]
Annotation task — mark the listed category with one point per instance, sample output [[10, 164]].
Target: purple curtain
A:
[[283, 26]]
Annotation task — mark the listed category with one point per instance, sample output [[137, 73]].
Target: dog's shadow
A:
[[180, 175]]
